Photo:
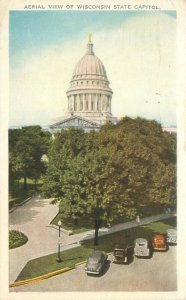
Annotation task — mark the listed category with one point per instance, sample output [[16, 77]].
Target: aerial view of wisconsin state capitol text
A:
[[92, 151]]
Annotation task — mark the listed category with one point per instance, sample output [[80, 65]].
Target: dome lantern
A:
[[90, 46]]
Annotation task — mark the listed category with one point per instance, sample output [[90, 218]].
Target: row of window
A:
[[75, 83], [88, 76]]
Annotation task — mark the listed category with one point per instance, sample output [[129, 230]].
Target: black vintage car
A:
[[121, 254]]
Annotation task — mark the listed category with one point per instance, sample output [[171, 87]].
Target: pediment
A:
[[76, 122]]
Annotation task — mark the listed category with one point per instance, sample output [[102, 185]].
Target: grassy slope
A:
[[70, 257]]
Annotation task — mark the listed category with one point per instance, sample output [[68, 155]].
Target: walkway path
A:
[[33, 219]]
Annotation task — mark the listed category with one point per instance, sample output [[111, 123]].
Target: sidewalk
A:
[[33, 219], [126, 225]]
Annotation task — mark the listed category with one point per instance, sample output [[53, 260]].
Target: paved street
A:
[[155, 274], [33, 219]]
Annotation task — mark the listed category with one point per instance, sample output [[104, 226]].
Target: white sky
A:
[[139, 57]]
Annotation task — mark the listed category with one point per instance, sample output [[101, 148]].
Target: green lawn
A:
[[108, 242], [17, 194], [86, 223], [46, 264]]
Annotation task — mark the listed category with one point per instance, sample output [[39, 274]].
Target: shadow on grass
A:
[[70, 259], [108, 242], [83, 224], [171, 221]]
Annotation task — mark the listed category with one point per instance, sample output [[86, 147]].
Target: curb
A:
[[39, 278], [46, 276], [19, 204]]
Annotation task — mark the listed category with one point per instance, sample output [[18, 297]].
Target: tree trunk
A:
[[76, 222], [97, 225], [35, 184], [25, 183]]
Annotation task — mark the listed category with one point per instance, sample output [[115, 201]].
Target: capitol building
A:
[[89, 96]]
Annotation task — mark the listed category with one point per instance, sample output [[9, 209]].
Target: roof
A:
[[89, 64], [76, 122], [141, 240]]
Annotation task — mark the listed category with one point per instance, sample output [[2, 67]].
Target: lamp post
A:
[[59, 257]]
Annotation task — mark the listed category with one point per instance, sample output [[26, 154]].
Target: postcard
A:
[[93, 149]]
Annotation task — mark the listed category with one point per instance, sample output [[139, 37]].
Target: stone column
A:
[[96, 102], [102, 102], [83, 102], [89, 102], [78, 102], [72, 103]]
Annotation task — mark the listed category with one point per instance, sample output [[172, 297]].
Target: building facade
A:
[[89, 95]]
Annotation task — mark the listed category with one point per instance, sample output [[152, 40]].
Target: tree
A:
[[66, 145], [112, 173], [26, 147]]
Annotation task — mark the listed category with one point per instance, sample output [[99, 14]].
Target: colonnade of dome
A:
[[89, 102]]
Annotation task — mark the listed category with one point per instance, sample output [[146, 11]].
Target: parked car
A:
[[96, 262], [171, 236], [158, 242], [121, 253], [141, 247]]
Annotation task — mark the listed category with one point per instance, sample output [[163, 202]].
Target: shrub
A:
[[16, 239]]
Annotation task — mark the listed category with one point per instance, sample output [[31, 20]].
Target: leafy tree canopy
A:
[[113, 172], [26, 148]]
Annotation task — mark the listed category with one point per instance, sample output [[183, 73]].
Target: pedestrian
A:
[[137, 219]]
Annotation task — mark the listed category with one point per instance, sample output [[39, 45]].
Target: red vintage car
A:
[[158, 242]]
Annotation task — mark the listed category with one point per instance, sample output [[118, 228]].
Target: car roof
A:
[[141, 240], [158, 235], [96, 254], [120, 246]]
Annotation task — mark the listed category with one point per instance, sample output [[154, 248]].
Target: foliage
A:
[[26, 148], [46, 264], [16, 239], [19, 194], [112, 173]]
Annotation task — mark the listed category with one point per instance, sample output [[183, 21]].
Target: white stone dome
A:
[[89, 94], [89, 73], [89, 65]]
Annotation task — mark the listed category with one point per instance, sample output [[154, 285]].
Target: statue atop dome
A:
[[89, 37], [90, 45]]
